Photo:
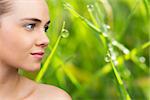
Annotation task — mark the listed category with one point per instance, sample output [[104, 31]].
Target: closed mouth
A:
[[38, 55]]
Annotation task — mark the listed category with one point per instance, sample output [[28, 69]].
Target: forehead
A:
[[29, 8]]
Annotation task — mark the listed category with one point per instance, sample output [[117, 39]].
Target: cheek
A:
[[16, 42], [15, 46]]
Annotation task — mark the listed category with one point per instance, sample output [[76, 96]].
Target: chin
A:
[[32, 68]]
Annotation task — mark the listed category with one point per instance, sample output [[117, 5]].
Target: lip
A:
[[38, 55]]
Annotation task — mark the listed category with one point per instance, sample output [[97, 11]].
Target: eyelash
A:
[[33, 27], [46, 28]]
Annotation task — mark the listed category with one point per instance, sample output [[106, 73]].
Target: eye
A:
[[30, 27], [46, 28]]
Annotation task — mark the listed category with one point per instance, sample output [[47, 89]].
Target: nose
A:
[[42, 40]]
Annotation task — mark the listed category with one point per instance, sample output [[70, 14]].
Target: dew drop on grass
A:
[[90, 7], [114, 42], [110, 49], [125, 51], [65, 33], [127, 73], [113, 56], [142, 59], [107, 26], [105, 34], [115, 63], [108, 55], [105, 30], [107, 59]]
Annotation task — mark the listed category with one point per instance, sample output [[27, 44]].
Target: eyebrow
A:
[[36, 20]]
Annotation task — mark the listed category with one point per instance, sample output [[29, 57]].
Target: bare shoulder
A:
[[37, 91], [52, 93]]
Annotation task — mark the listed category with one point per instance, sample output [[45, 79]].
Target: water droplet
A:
[[108, 54], [105, 34], [126, 74], [65, 33], [115, 63], [114, 42], [142, 59], [113, 56], [107, 59], [125, 51], [90, 7], [107, 26], [110, 49]]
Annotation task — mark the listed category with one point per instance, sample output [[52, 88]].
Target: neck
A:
[[9, 79]]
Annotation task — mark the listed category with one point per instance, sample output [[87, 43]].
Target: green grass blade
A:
[[91, 9], [47, 62], [129, 17], [88, 23], [124, 92], [45, 66], [68, 73], [73, 12], [147, 7], [120, 46]]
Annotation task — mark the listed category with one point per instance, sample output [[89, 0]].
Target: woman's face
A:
[[22, 34]]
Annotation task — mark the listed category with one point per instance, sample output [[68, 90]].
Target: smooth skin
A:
[[22, 32]]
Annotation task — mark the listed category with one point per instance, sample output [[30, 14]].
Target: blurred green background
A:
[[106, 55]]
